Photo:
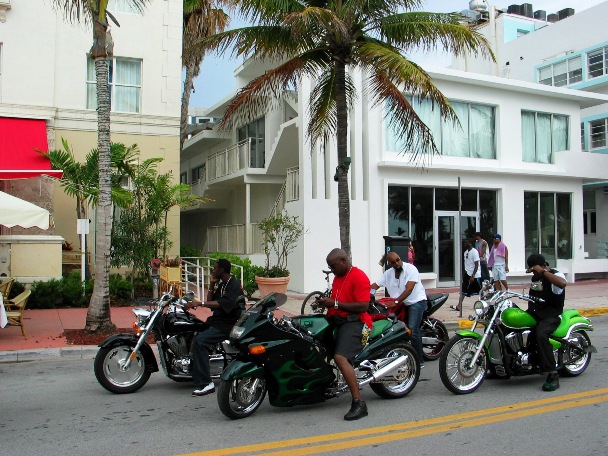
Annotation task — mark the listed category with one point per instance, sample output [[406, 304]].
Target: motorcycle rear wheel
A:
[[405, 377], [578, 367], [454, 369], [309, 307], [107, 367], [431, 327], [241, 397]]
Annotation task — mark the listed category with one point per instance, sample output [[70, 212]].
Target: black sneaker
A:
[[358, 410], [552, 382]]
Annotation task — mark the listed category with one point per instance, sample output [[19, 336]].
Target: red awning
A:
[[19, 141]]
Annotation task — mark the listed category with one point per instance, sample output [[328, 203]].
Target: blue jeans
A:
[[203, 342], [414, 318]]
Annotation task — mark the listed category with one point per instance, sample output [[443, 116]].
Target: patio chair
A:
[[15, 308], [5, 287]]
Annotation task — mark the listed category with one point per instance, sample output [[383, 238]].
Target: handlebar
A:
[[524, 296]]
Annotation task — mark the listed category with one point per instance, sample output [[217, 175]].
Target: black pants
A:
[[543, 330]]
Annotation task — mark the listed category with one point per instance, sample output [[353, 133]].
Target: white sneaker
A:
[[207, 389]]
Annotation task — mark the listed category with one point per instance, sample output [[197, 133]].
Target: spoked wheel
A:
[[110, 374], [455, 369], [403, 380], [434, 338], [241, 397], [576, 359], [310, 307]]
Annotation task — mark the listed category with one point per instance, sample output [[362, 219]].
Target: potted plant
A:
[[281, 234]]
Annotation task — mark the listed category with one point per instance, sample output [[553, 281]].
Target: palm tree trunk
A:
[[98, 314], [191, 70], [342, 143]]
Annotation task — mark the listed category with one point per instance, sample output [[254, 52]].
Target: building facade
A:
[[47, 78]]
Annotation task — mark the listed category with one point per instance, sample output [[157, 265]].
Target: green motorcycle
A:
[[503, 350], [289, 358]]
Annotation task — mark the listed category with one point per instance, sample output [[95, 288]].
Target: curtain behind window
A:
[[483, 132], [127, 79], [456, 137], [543, 138], [528, 136], [559, 133]]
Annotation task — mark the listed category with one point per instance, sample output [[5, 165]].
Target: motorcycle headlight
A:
[[142, 316], [480, 308], [237, 332]]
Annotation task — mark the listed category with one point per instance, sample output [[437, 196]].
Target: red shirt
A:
[[351, 287]]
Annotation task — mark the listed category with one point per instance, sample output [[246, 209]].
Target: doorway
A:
[[448, 244]]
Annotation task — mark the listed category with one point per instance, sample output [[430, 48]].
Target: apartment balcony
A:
[[242, 239]]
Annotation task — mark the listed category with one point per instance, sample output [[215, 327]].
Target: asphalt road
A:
[[56, 407]]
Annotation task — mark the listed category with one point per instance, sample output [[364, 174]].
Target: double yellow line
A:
[[418, 428]]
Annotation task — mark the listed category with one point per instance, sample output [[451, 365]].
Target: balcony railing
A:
[[232, 239], [229, 160]]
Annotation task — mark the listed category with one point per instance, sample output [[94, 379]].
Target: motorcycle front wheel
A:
[[309, 307], [241, 397], [576, 359], [455, 368], [110, 374], [403, 380], [436, 330]]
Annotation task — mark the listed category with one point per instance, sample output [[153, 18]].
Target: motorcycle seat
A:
[[565, 324]]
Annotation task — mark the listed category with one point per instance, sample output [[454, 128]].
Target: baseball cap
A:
[[498, 236]]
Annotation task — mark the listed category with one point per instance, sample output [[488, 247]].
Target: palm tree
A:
[[95, 12], [324, 40], [201, 20]]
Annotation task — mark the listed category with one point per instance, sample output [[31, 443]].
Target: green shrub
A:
[[189, 251], [45, 295], [120, 288], [249, 271], [72, 290], [16, 289]]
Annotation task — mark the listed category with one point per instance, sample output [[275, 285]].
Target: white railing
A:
[[232, 239], [196, 272], [229, 161], [292, 184]]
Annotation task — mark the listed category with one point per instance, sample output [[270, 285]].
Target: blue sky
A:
[[216, 79]]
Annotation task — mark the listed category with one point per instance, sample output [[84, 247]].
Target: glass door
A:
[[448, 244]]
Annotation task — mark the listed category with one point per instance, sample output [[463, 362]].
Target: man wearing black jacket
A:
[[549, 285], [224, 299]]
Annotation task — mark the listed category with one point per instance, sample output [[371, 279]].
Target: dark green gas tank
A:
[[316, 324], [516, 318]]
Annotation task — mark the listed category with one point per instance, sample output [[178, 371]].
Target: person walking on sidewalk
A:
[[499, 262], [347, 311], [471, 277], [483, 249], [223, 298], [402, 283], [549, 285]]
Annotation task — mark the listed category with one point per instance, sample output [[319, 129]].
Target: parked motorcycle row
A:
[[289, 358]]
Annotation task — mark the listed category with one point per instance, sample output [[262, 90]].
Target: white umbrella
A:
[[15, 211]]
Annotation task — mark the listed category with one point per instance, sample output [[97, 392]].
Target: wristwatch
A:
[[336, 304]]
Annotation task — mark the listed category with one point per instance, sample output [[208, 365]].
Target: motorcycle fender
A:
[[240, 369], [467, 333], [389, 338], [131, 340]]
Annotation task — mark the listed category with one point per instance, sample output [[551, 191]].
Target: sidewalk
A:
[[45, 328]]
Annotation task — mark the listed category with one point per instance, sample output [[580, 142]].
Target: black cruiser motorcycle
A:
[[125, 362], [290, 359]]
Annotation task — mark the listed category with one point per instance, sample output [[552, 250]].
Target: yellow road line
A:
[[416, 428]]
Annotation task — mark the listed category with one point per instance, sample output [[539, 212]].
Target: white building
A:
[[508, 185], [573, 53], [47, 82]]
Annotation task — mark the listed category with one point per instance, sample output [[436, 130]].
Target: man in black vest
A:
[[549, 285]]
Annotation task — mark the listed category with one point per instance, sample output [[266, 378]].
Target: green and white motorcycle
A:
[[503, 350]]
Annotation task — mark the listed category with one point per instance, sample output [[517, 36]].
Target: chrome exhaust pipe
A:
[[384, 371]]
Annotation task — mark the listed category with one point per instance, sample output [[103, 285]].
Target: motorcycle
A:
[[125, 362], [504, 349], [434, 333], [290, 359]]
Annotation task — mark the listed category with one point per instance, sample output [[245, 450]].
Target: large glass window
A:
[[257, 132], [597, 62], [562, 73], [475, 136], [589, 213], [597, 133], [124, 83], [542, 135], [422, 227], [548, 225]]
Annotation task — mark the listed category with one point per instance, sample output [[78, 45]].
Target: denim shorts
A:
[[499, 272]]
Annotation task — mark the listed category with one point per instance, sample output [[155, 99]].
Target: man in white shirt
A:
[[471, 278], [402, 283]]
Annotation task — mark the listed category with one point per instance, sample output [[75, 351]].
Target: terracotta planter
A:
[[268, 285]]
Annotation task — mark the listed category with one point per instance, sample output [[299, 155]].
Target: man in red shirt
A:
[[347, 310]]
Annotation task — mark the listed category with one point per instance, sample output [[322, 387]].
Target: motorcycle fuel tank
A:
[[517, 318], [177, 322]]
